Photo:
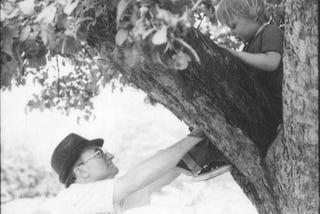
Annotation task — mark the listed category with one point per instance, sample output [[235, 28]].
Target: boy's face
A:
[[244, 28]]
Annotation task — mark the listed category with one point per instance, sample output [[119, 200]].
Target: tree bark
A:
[[293, 160]]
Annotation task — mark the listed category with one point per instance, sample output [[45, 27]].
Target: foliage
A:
[[90, 33], [23, 177]]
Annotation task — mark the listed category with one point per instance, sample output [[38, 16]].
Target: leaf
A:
[[139, 28], [14, 13], [25, 33], [27, 7], [167, 16], [69, 45], [44, 37], [131, 56], [61, 22], [8, 71], [7, 40], [122, 6], [181, 60], [159, 60], [47, 14], [102, 62], [51, 36], [82, 32], [148, 32], [160, 37], [186, 18], [3, 15], [71, 26], [121, 36], [196, 5], [70, 7], [37, 61], [99, 11]]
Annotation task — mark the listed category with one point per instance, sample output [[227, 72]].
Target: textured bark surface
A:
[[294, 160]]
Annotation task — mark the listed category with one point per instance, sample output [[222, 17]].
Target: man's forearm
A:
[[163, 181], [155, 166], [165, 160]]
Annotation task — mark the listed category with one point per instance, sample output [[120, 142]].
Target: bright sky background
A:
[[118, 116], [132, 130]]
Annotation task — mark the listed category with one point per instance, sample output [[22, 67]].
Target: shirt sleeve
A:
[[272, 40]]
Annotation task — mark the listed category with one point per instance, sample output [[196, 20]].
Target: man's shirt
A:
[[97, 198]]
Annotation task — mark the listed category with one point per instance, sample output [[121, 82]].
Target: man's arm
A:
[[153, 168], [163, 181]]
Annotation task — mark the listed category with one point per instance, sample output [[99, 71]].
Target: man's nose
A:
[[109, 156]]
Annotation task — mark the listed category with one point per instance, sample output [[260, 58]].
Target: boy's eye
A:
[[233, 26]]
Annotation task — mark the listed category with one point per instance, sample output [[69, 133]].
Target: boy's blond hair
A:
[[249, 9]]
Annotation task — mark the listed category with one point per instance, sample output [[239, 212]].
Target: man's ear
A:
[[81, 172]]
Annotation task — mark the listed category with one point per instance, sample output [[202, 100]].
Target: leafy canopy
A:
[[38, 36]]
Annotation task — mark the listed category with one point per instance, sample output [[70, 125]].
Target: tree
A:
[[154, 47]]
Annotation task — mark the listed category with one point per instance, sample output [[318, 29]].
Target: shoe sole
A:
[[183, 171], [212, 174]]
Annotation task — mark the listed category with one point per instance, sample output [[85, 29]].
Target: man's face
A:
[[243, 28], [97, 164]]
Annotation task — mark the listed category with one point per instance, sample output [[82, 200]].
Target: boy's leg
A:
[[204, 161], [205, 152]]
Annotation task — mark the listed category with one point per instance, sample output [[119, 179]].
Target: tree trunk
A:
[[294, 156], [233, 109]]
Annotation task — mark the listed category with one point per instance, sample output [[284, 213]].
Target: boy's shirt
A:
[[270, 38]]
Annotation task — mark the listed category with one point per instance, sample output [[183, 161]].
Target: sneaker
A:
[[202, 162], [188, 166], [182, 168], [206, 172], [212, 170]]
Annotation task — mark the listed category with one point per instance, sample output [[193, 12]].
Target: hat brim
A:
[[75, 155]]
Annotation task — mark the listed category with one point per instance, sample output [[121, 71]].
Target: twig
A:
[[190, 49], [202, 18], [58, 88]]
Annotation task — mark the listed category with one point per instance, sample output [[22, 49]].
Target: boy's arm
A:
[[268, 61], [152, 168]]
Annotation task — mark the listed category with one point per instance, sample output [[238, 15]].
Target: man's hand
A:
[[196, 132]]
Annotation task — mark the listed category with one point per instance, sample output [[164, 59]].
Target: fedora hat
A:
[[68, 151]]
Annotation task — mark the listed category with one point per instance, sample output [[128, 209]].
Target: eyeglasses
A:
[[98, 154]]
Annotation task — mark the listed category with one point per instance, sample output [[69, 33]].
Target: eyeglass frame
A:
[[99, 150]]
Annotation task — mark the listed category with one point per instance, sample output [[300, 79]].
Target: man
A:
[[90, 175]]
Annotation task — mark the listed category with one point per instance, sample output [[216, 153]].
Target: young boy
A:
[[263, 48]]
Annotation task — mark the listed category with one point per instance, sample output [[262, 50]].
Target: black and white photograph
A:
[[159, 107]]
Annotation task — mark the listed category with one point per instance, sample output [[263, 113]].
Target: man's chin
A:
[[116, 171]]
